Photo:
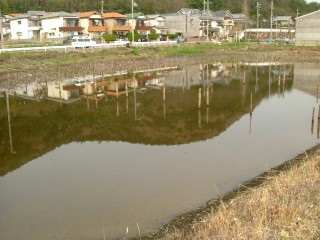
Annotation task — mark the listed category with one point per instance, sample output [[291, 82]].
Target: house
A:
[[210, 25], [26, 26], [132, 18], [117, 23], [197, 24], [158, 23], [61, 91], [307, 29], [93, 24], [284, 21], [228, 21], [58, 26]]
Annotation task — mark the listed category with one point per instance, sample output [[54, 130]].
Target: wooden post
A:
[[127, 105], [279, 82], [117, 91], [199, 118], [313, 114], [251, 104], [164, 92], [199, 98], [317, 92], [117, 108], [207, 96], [126, 89], [312, 120]]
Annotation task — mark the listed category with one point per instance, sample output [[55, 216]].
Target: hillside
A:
[[281, 7]]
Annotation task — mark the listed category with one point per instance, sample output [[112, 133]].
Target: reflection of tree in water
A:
[[39, 127]]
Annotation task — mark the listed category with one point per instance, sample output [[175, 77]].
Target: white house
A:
[[158, 23], [26, 26], [58, 26]]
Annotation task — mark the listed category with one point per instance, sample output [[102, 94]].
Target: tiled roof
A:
[[59, 14], [86, 14], [114, 15]]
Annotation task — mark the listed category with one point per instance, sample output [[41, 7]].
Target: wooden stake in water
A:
[[199, 118], [104, 234], [199, 98], [312, 121], [126, 89], [117, 108], [164, 92], [207, 96], [9, 120], [317, 92], [117, 90], [139, 230], [251, 104]]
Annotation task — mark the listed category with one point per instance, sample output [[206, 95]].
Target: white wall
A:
[[22, 28], [50, 27]]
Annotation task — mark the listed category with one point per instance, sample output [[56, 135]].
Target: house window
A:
[[19, 22], [19, 34], [51, 34]]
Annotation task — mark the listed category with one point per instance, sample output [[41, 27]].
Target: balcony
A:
[[144, 28], [70, 29], [98, 28]]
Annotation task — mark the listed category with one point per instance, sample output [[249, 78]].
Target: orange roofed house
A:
[[93, 24], [117, 23]]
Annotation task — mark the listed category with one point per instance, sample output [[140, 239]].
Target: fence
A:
[[92, 48]]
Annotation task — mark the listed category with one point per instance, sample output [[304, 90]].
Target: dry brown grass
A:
[[285, 206]]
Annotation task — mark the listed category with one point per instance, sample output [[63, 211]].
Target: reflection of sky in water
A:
[[70, 191]]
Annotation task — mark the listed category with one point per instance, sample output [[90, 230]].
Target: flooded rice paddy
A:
[[80, 163]]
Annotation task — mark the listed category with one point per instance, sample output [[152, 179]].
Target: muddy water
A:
[[93, 170]]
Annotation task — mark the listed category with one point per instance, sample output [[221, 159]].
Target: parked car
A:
[[180, 39], [82, 41]]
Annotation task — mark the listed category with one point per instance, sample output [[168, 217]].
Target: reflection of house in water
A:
[[31, 90], [306, 77], [62, 91], [194, 75]]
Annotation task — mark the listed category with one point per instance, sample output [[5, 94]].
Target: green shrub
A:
[[172, 36], [136, 36], [110, 37], [153, 35]]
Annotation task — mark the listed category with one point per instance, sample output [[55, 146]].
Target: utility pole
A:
[[132, 1], [271, 20], [246, 13], [1, 31], [258, 15], [206, 4], [102, 2]]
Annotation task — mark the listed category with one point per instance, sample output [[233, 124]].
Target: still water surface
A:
[[85, 170]]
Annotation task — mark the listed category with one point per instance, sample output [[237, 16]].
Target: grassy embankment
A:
[[17, 61], [281, 204]]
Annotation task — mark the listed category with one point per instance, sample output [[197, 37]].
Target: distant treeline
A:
[[281, 7]]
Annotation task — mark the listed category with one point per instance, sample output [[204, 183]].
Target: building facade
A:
[[308, 29]]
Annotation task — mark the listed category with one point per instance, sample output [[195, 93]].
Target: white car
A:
[[82, 41]]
